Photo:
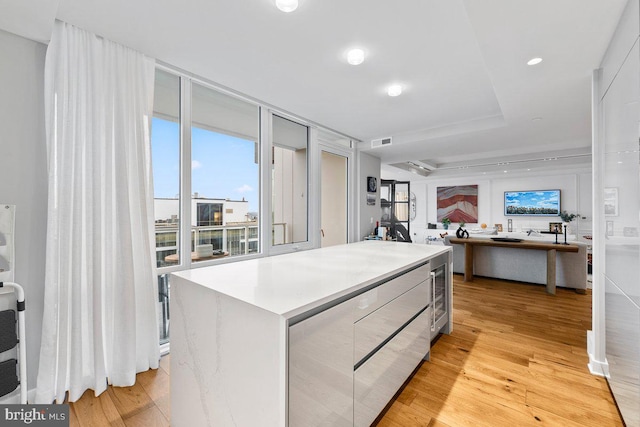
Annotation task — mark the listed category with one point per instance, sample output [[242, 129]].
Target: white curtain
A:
[[100, 323]]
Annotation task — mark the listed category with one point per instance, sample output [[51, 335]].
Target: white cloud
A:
[[244, 189], [195, 164]]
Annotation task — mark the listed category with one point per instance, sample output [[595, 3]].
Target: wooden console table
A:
[[551, 249]]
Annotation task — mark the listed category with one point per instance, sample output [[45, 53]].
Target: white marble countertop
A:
[[291, 284]]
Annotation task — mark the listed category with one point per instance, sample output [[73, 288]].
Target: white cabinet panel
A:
[[372, 330], [321, 368], [373, 299], [380, 377], [621, 108], [621, 113], [623, 352]]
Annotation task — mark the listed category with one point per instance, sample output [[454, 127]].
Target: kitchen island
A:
[[321, 337]]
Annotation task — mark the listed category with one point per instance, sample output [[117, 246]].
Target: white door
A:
[[334, 212]]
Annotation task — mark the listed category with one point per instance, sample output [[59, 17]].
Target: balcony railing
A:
[[232, 239]]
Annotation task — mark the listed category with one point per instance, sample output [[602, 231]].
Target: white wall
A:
[[23, 175], [368, 165], [575, 197]]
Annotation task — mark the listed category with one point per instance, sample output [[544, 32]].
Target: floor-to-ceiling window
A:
[[232, 179], [165, 151], [206, 164], [224, 174]]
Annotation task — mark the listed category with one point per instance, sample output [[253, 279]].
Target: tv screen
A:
[[534, 203]]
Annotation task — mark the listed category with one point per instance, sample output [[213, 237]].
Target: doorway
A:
[[334, 194]]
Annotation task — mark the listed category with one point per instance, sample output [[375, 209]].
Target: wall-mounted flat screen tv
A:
[[532, 203]]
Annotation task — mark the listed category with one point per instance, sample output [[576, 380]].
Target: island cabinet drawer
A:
[[380, 377], [375, 298], [374, 329]]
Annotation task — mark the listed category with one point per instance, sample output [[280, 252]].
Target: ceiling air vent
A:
[[375, 143]]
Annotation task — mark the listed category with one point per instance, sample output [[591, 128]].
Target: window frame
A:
[[265, 143], [311, 242], [265, 115]]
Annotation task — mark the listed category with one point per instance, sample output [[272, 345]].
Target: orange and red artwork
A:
[[458, 203]]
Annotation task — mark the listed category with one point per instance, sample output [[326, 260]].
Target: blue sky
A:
[[222, 166], [539, 199]]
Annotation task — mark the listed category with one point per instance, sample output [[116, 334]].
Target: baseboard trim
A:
[[31, 395], [596, 367]]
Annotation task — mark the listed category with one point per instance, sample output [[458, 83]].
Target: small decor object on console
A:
[[498, 227], [555, 227], [461, 233]]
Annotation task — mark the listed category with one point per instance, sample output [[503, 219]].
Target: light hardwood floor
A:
[[517, 357]]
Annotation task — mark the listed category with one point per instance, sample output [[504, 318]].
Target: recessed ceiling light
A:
[[536, 119], [287, 5], [394, 90], [355, 56], [534, 61]]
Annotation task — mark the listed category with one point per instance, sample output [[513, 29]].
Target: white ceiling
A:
[[469, 98]]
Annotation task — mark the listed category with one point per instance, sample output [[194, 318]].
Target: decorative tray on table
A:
[[506, 239]]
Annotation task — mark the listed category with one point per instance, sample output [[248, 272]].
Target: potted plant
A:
[[445, 223], [568, 217]]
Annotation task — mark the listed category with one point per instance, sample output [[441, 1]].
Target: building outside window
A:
[[209, 214], [220, 133]]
